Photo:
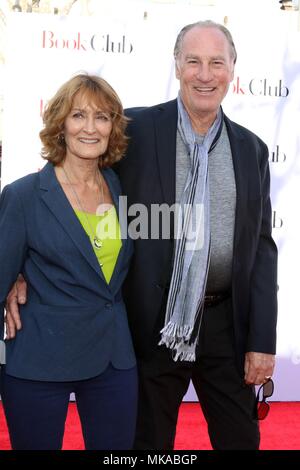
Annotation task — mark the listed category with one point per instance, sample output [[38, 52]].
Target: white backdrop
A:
[[135, 55]]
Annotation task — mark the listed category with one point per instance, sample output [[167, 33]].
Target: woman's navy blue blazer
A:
[[74, 324]]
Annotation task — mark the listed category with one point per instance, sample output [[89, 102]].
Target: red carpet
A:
[[280, 431]]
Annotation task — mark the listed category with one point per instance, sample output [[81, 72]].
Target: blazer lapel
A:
[[122, 215], [165, 124], [242, 173], [54, 197]]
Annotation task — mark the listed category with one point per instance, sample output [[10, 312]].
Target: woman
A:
[[59, 227]]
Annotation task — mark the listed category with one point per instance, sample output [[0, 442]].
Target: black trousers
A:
[[36, 411], [227, 403]]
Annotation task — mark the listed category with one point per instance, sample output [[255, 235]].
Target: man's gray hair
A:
[[205, 24]]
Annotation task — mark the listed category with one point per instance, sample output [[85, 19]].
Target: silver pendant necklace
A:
[[96, 241]]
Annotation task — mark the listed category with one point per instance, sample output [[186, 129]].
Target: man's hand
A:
[[258, 367], [17, 295]]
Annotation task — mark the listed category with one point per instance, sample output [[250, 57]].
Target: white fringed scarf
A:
[[192, 245]]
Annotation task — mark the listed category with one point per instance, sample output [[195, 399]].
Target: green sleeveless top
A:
[[106, 227]]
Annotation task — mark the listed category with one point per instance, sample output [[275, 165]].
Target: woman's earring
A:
[[61, 139]]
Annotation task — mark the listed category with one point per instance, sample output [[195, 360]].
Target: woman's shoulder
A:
[[31, 181], [19, 193], [23, 184]]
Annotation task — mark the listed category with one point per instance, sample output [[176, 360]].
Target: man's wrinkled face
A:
[[205, 68]]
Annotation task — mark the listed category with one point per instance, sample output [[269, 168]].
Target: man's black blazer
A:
[[147, 175]]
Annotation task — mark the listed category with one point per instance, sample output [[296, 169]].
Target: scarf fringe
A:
[[177, 339], [173, 332], [185, 356]]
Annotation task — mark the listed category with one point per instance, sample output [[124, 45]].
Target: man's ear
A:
[[232, 73], [177, 70]]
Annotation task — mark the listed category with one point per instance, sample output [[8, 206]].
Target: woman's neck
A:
[[82, 172]]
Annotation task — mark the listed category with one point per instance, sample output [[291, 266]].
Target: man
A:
[[220, 328]]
